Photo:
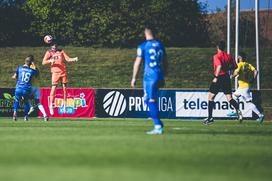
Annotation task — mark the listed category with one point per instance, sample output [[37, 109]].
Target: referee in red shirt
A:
[[221, 82]]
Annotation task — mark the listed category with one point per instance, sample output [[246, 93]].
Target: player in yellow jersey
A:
[[35, 91], [246, 75]]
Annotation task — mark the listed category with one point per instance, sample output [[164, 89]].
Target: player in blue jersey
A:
[[24, 75], [153, 54]]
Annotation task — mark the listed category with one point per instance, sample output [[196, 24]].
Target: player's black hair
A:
[[221, 45], [29, 59], [54, 42], [243, 55], [151, 28]]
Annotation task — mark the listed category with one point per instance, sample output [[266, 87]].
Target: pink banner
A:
[[80, 102]]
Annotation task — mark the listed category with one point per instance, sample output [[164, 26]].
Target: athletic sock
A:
[[154, 112], [29, 103], [254, 108], [40, 106], [210, 108], [26, 108], [16, 105], [234, 104]]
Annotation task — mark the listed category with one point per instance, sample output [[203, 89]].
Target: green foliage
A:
[[118, 23], [217, 28], [13, 22]]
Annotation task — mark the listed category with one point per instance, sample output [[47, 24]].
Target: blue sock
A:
[[154, 113], [16, 105]]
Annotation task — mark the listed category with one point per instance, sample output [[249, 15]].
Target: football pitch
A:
[[118, 149]]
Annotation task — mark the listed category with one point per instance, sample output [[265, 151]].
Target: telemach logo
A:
[[199, 104], [195, 104]]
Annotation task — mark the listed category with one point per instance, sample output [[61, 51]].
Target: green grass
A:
[[118, 149], [112, 68]]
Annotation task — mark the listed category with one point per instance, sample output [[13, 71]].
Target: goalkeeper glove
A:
[[76, 59], [51, 60]]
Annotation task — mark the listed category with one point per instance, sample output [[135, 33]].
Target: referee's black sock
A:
[[234, 104], [210, 108]]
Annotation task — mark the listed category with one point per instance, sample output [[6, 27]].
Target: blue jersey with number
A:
[[25, 75], [153, 53]]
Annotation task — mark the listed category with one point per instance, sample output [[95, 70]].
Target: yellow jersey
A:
[[246, 73], [35, 80]]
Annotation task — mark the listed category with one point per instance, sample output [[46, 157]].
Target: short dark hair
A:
[[221, 45], [243, 55], [54, 43], [29, 59], [151, 29]]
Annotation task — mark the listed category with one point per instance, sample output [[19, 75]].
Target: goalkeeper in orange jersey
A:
[[57, 57]]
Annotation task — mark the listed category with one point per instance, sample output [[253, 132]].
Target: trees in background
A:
[[117, 23], [217, 28], [13, 23]]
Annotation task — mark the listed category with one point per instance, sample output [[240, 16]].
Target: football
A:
[[48, 39]]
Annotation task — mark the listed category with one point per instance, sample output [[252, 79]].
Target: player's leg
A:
[[226, 87], [51, 99], [64, 88], [213, 90], [151, 91], [55, 80], [64, 81], [248, 98], [236, 96], [16, 103], [32, 108], [37, 94], [26, 96]]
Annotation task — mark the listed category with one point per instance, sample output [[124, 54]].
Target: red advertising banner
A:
[[80, 102]]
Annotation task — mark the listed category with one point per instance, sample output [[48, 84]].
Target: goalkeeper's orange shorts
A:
[[59, 78]]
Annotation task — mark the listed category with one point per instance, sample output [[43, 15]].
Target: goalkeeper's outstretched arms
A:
[[72, 59], [46, 59], [68, 59]]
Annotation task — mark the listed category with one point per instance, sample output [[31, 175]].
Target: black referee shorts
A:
[[223, 84]]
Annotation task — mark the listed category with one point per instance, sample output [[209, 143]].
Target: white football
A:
[[48, 39]]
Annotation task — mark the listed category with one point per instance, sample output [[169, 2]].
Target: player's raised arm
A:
[[136, 67], [15, 74], [68, 59], [46, 58]]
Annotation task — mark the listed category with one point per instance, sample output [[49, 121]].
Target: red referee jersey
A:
[[220, 58]]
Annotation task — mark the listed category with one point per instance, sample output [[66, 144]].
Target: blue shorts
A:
[[151, 89], [25, 93]]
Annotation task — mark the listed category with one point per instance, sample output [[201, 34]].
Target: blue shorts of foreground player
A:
[[151, 92], [22, 93]]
